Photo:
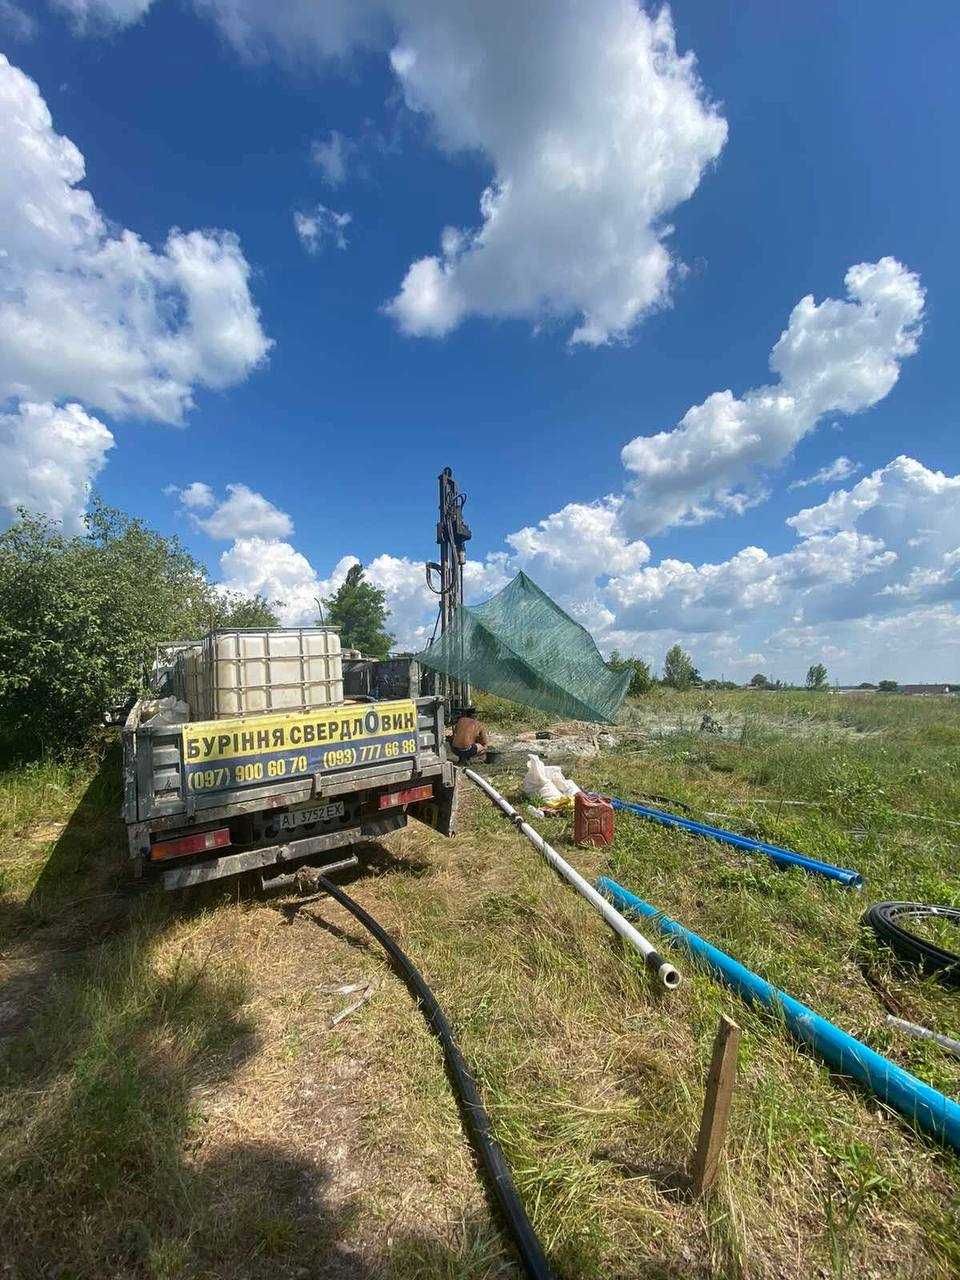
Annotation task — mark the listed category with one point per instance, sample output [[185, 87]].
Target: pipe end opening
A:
[[669, 976]]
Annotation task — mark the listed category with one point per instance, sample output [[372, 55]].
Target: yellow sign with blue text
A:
[[221, 754]]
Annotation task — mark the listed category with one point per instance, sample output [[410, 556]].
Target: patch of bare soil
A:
[[579, 740], [391, 1160]]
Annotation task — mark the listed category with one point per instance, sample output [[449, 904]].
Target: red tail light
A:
[[201, 843], [391, 799]]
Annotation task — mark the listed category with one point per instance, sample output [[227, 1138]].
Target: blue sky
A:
[[803, 142]]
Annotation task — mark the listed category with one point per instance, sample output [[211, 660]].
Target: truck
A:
[[281, 790], [278, 751]]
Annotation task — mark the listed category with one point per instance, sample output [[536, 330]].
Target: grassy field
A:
[[174, 1101]]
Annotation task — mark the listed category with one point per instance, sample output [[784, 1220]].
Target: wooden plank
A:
[[721, 1079]]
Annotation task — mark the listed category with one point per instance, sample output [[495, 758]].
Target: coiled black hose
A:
[[475, 1117], [882, 918]]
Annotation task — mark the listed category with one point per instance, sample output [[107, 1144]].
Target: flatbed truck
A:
[[272, 794]]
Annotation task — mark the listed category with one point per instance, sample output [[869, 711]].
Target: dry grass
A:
[[176, 1103]]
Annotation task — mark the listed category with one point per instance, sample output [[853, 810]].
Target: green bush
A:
[[640, 678], [80, 619]]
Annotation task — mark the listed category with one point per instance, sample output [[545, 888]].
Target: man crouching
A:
[[469, 738]]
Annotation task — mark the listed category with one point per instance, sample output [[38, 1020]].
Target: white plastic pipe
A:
[[665, 971], [924, 1033]]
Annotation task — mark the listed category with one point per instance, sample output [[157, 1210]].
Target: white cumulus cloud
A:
[[18, 24], [840, 469], [93, 312], [904, 492], [833, 357], [330, 154], [594, 127], [888, 548], [707, 597], [243, 513], [321, 225], [261, 560], [914, 511], [195, 496], [577, 544], [273, 568], [870, 563], [49, 458], [101, 15], [591, 123], [871, 567]]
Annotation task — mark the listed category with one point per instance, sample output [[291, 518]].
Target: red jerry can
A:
[[592, 820]]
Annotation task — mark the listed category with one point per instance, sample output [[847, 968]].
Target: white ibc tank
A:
[[253, 672]]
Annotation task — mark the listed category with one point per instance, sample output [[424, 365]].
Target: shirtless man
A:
[[469, 737]]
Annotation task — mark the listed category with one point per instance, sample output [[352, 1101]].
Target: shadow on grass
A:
[[118, 1147], [79, 901]]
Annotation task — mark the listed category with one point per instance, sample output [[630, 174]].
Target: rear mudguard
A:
[[440, 812]]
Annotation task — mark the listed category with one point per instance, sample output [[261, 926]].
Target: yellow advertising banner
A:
[[220, 754]]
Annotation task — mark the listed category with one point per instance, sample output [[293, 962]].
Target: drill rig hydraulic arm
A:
[[453, 533]]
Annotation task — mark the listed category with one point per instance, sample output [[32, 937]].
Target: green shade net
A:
[[521, 645]]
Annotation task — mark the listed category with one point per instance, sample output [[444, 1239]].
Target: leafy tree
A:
[[817, 676], [760, 681], [360, 610], [678, 669], [231, 610], [888, 686], [640, 679], [80, 619]]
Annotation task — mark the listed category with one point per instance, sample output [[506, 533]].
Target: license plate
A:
[[305, 817]]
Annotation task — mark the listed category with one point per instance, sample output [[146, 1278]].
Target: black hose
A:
[[475, 1117], [882, 918], [676, 804]]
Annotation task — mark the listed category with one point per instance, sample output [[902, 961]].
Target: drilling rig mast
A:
[[452, 536]]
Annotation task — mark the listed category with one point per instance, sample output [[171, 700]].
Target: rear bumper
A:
[[244, 800], [279, 857]]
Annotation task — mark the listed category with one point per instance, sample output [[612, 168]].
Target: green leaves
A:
[[640, 678], [678, 669], [359, 609], [80, 619], [817, 676]]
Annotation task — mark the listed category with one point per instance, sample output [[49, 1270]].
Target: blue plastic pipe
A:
[[923, 1107], [784, 857]]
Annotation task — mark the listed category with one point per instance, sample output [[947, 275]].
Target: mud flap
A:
[[440, 812]]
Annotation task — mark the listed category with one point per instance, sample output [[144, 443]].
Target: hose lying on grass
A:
[[783, 857], [652, 957], [924, 1033], [883, 918], [924, 1107], [474, 1114]]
